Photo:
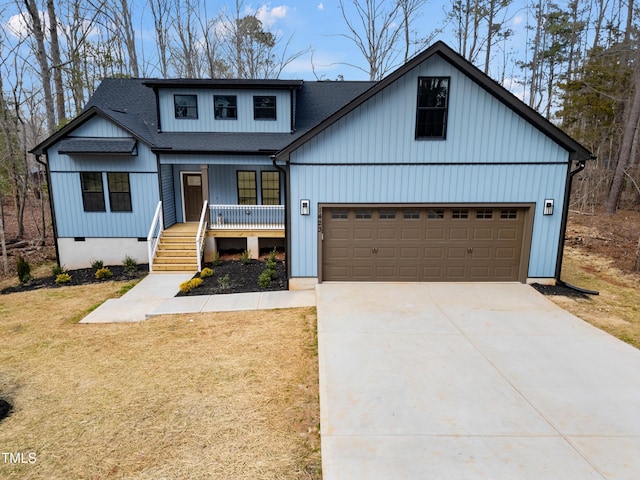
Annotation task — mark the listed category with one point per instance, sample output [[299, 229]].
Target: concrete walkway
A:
[[471, 381], [155, 295]]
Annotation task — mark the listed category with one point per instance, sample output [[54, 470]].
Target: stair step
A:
[[177, 246], [175, 267], [176, 259], [178, 252]]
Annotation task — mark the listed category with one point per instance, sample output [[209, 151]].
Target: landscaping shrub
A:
[[216, 259], [264, 280], [244, 257], [97, 264], [270, 264], [103, 273], [224, 282], [63, 278], [57, 270], [272, 255], [130, 265], [186, 287], [24, 270], [206, 273]]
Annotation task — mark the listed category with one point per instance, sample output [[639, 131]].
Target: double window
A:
[[93, 192], [264, 107], [248, 187], [433, 101]]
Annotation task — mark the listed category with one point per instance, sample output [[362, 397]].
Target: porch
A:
[[182, 246]]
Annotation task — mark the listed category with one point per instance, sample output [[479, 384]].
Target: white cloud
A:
[[270, 16], [18, 25], [321, 6]]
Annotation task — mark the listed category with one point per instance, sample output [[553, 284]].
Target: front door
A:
[[192, 188]]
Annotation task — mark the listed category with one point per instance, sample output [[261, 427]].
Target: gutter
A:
[[286, 215], [563, 228], [54, 222]]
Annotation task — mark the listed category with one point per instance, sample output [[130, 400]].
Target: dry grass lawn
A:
[[617, 309], [224, 396]]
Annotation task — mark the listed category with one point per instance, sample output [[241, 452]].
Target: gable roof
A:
[[576, 150]]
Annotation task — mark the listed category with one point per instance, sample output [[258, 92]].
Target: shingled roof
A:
[[131, 104]]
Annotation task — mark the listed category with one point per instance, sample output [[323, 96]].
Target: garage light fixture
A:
[[305, 207], [548, 206]]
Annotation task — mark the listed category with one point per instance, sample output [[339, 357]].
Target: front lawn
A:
[[223, 395]]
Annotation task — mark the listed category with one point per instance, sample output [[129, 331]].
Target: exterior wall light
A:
[[305, 207], [548, 206]]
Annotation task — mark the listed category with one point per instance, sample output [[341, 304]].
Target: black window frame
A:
[[431, 112], [259, 111], [119, 199], [217, 111], [270, 197], [92, 200], [176, 107], [242, 196]]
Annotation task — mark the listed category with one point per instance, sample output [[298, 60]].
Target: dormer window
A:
[[264, 107], [226, 107], [186, 106], [433, 100]]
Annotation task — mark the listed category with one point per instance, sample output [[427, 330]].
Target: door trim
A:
[[182, 174], [527, 234]]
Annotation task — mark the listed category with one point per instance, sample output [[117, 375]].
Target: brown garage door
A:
[[423, 243]]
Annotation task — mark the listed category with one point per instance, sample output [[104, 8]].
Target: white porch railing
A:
[[255, 217], [155, 232], [202, 233]]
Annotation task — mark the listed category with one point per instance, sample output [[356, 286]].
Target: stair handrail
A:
[[201, 235], [152, 239]]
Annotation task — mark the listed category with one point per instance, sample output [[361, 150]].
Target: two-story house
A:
[[434, 173]]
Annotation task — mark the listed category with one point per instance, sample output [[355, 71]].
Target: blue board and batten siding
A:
[[371, 156], [206, 121], [72, 220]]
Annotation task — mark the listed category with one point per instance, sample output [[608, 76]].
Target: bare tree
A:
[[409, 9], [375, 28], [56, 61], [160, 10]]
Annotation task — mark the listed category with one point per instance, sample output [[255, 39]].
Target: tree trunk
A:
[[625, 155], [43, 63], [56, 62], [3, 240]]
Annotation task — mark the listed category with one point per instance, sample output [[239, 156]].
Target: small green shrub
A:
[[206, 273], [270, 264], [216, 259], [272, 254], [185, 287], [224, 282], [244, 257], [130, 265], [103, 273], [57, 270], [63, 278], [195, 282], [264, 280], [97, 264], [24, 270]]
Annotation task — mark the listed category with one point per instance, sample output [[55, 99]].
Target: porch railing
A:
[[201, 235], [155, 232], [255, 217]]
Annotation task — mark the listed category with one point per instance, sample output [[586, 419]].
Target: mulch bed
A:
[[561, 290], [80, 277], [242, 278]]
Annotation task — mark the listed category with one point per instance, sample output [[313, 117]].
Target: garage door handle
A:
[[374, 249], [469, 249]]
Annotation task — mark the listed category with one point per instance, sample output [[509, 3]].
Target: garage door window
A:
[[339, 214], [411, 214], [459, 213], [484, 214], [363, 214], [387, 214], [435, 214], [509, 214]]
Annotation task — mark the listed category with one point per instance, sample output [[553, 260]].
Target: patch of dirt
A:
[[234, 276], [612, 236], [80, 277]]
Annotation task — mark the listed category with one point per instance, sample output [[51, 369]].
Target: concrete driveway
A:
[[471, 381]]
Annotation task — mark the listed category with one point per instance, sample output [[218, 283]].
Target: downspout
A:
[[54, 223], [563, 228], [286, 216]]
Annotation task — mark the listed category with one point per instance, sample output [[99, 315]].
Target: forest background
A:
[[576, 62]]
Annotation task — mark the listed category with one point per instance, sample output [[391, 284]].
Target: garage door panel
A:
[[422, 244]]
